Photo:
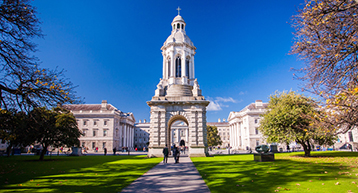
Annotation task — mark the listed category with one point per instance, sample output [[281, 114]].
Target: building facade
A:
[[141, 135], [103, 126], [223, 131], [243, 126]]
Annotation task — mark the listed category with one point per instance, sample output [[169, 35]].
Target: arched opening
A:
[[178, 133], [178, 67], [182, 26], [178, 26]]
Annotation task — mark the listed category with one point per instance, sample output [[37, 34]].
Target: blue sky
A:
[[111, 49]]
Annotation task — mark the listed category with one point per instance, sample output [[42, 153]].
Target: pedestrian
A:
[[175, 152], [143, 148], [114, 151], [165, 153], [178, 155], [96, 149], [105, 151], [228, 150]]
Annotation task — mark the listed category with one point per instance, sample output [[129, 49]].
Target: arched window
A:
[[178, 26], [169, 67], [187, 67], [178, 67], [182, 26], [173, 26]]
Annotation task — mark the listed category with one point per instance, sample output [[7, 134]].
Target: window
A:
[[83, 144], [257, 142], [169, 67], [178, 26], [224, 138], [84, 132], [93, 145], [84, 122], [178, 67], [105, 132], [187, 67], [94, 122], [256, 131], [228, 134], [350, 136], [182, 26], [94, 132], [105, 123]]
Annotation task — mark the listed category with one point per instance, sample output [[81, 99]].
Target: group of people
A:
[[176, 153]]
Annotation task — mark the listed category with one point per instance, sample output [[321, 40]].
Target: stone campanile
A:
[[178, 96]]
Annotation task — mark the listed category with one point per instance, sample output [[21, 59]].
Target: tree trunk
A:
[[42, 155], [307, 149]]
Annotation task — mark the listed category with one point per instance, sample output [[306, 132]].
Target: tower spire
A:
[[178, 10]]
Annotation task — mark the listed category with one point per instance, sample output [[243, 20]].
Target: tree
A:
[[289, 118], [212, 136], [13, 128], [23, 84], [57, 127], [326, 39]]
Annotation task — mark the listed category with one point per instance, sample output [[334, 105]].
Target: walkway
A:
[[170, 177]]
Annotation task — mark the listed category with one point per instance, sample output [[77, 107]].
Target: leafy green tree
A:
[[326, 39], [13, 128], [55, 128], [212, 136], [289, 117], [23, 84]]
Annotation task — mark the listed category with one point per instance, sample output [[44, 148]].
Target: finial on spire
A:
[[178, 10]]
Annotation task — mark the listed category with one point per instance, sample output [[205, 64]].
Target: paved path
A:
[[170, 177]]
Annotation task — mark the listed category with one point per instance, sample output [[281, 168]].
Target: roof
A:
[[88, 107], [218, 123]]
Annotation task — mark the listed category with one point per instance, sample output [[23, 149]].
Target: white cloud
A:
[[213, 106], [218, 103], [228, 99]]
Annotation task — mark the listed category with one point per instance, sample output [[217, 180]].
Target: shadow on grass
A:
[[72, 174], [233, 173]]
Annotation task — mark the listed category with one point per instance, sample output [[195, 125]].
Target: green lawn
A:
[[326, 172], [71, 174]]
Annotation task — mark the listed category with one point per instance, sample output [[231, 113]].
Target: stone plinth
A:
[[264, 157]]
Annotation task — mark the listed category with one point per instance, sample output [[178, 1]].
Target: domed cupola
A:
[[178, 64]]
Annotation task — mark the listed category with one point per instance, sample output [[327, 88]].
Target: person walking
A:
[[165, 153], [175, 152], [114, 151], [105, 151], [178, 155]]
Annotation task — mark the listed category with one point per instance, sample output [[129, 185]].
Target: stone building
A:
[[178, 96], [243, 126], [223, 131], [141, 134], [103, 126]]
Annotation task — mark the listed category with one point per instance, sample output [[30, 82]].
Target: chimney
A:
[[104, 105], [219, 120], [258, 103], [224, 120], [140, 121], [144, 120]]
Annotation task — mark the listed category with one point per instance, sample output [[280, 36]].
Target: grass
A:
[[71, 174], [325, 172]]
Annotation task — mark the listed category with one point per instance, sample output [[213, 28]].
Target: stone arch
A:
[[173, 119]]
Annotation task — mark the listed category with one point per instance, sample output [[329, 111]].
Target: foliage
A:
[[326, 39], [289, 118], [72, 174], [290, 172], [212, 136], [55, 128], [24, 85]]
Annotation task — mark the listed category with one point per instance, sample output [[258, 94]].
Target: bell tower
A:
[[178, 95]]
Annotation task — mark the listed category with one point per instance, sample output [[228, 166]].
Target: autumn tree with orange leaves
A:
[[23, 84], [326, 39]]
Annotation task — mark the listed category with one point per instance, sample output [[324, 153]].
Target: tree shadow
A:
[[72, 174], [232, 174]]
